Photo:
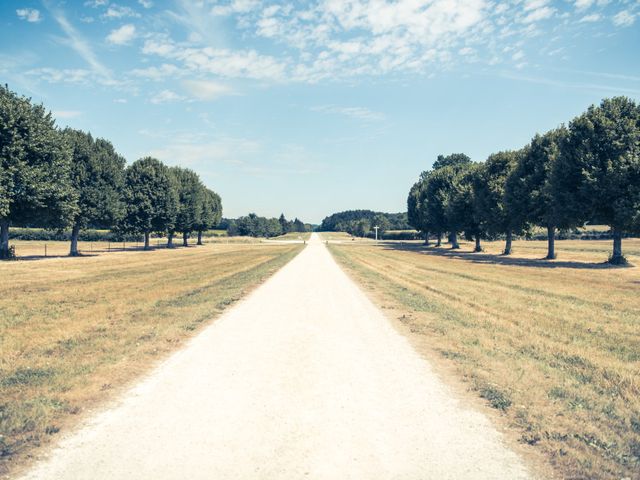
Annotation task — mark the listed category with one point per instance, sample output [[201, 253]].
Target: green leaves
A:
[[97, 176], [151, 197], [35, 163]]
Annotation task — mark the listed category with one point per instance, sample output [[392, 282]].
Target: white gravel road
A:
[[303, 379]]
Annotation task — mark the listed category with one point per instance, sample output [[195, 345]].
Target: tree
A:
[[490, 208], [459, 205], [285, 225], [151, 199], [417, 209], [35, 162], [437, 196], [298, 225], [97, 176], [191, 193], [210, 213], [362, 228], [529, 194], [382, 223], [453, 160], [598, 173]]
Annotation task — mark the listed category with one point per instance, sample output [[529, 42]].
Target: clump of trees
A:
[[361, 222], [589, 169], [254, 226], [61, 179]]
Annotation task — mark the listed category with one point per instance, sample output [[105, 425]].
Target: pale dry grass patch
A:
[[554, 346], [74, 329]]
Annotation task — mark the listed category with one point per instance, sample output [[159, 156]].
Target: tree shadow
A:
[[483, 258]]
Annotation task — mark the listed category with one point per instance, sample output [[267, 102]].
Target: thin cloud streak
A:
[[77, 42]]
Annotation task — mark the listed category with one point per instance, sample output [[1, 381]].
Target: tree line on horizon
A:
[[64, 178], [253, 225], [361, 222], [588, 170]]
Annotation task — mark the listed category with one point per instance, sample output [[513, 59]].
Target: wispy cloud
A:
[[117, 11], [359, 113], [123, 35], [166, 96], [216, 61], [610, 89], [29, 14], [625, 18], [81, 46], [207, 90]]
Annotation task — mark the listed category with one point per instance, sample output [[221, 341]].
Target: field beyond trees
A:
[[553, 346], [74, 330]]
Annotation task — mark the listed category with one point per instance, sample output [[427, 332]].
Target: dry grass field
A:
[[26, 249], [553, 346], [293, 236], [75, 330]]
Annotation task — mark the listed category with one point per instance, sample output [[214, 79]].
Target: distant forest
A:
[[254, 226], [361, 222]]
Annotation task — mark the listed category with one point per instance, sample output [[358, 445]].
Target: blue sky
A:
[[308, 108]]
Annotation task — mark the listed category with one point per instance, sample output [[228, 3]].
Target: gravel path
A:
[[303, 379]]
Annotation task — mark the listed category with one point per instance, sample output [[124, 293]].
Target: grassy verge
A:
[[554, 347], [74, 330], [293, 236]]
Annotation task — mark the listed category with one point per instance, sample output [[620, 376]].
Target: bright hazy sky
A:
[[308, 108]]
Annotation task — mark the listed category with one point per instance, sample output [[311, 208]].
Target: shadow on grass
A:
[[491, 258]]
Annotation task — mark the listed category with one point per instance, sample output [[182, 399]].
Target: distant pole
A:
[[45, 249], [376, 229]]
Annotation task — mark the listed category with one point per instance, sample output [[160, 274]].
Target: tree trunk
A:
[[478, 245], [146, 241], [454, 241], [507, 245], [185, 239], [199, 237], [170, 240], [616, 257], [439, 239], [4, 239], [426, 239], [75, 231], [551, 239]]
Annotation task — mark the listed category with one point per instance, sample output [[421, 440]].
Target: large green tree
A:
[[529, 192], [191, 193], [97, 176], [459, 205], [210, 213], [490, 208], [598, 173], [417, 208], [35, 186], [151, 199]]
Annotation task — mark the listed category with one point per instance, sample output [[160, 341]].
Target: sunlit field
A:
[[553, 346], [293, 236], [75, 330], [29, 249]]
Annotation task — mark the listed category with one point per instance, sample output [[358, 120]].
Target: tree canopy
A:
[[561, 179]]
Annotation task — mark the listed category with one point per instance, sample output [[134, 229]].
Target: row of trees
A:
[[361, 222], [254, 226], [60, 179], [586, 171]]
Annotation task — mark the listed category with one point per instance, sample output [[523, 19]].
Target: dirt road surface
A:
[[305, 378]]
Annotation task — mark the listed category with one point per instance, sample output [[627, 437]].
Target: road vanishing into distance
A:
[[305, 378]]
